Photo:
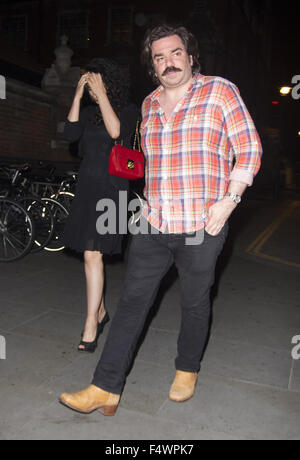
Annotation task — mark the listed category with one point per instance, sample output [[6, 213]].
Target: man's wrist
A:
[[229, 203], [234, 197]]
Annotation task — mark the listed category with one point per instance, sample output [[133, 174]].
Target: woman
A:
[[106, 117]]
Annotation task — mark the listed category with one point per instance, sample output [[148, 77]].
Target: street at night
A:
[[248, 387], [249, 384]]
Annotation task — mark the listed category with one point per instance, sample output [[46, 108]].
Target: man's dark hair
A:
[[167, 30]]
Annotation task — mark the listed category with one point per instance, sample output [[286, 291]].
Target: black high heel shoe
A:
[[90, 347], [101, 325]]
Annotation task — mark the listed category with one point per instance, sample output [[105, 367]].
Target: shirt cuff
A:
[[240, 175]]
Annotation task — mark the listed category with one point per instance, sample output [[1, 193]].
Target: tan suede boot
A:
[[183, 387], [91, 399]]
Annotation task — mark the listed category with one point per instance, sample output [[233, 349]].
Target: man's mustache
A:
[[171, 69]]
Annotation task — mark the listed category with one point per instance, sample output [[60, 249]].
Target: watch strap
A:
[[235, 197]]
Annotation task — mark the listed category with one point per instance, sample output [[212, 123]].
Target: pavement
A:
[[249, 385]]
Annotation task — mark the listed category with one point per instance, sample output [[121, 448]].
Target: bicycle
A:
[[49, 214], [16, 187], [16, 231], [60, 215], [57, 186], [66, 191], [57, 191], [51, 188]]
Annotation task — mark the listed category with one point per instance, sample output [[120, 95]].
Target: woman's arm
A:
[[75, 124], [75, 109], [111, 121]]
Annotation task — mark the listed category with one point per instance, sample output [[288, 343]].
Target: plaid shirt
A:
[[190, 157]]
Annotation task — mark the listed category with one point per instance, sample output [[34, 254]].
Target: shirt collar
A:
[[198, 81]]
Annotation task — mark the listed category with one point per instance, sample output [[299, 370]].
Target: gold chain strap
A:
[[137, 139]]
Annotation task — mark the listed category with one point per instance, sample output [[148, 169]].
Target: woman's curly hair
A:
[[166, 30], [116, 83]]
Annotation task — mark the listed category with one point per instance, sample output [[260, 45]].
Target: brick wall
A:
[[28, 125]]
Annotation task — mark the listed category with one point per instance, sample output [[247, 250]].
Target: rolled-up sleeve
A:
[[243, 137]]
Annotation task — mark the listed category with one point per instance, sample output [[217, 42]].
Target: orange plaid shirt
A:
[[190, 157]]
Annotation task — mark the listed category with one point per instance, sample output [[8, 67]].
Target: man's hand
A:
[[218, 215]]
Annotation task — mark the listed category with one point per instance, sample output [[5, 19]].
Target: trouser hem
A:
[[115, 391], [186, 369]]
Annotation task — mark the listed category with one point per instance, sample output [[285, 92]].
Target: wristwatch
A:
[[236, 198]]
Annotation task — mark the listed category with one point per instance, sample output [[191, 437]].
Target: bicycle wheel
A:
[[16, 231], [43, 221], [60, 215], [64, 198]]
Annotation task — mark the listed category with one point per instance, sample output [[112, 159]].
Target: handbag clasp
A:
[[130, 164]]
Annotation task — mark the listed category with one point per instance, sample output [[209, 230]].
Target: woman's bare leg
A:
[[94, 271]]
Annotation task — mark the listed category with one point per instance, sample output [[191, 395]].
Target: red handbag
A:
[[127, 163]]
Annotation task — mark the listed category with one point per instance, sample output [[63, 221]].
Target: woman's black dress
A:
[[94, 181]]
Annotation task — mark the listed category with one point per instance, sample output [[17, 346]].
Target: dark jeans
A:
[[150, 258]]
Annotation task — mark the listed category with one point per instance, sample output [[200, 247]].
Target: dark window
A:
[[74, 24], [120, 25], [14, 29]]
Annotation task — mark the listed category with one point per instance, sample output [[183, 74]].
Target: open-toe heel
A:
[[101, 325], [90, 347]]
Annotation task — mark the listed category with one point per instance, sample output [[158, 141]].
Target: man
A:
[[193, 128]]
